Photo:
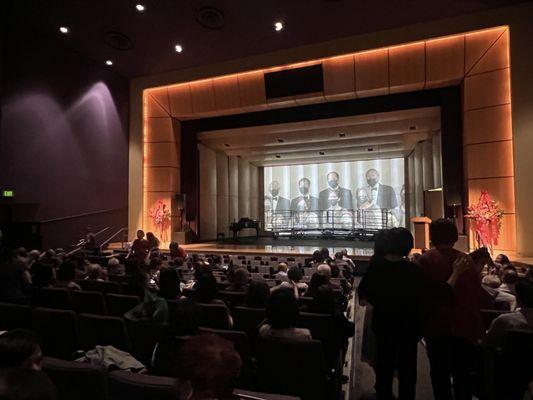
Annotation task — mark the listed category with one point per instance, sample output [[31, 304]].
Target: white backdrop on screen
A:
[[356, 188]]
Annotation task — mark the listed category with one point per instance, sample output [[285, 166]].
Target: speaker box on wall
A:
[[179, 198], [292, 82]]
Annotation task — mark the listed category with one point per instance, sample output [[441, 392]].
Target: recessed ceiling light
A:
[[108, 62], [64, 29], [226, 144], [321, 153], [342, 134], [178, 48], [278, 26], [278, 156], [140, 7], [280, 140], [370, 149], [412, 127]]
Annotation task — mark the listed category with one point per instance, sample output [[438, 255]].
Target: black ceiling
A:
[[100, 27]]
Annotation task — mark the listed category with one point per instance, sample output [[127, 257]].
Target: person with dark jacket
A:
[[393, 286]]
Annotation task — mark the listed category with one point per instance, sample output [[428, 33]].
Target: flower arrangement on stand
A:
[[160, 216], [487, 219]]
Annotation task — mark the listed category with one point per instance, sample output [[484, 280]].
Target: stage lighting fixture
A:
[[178, 48], [108, 62], [140, 7], [64, 30], [278, 26]]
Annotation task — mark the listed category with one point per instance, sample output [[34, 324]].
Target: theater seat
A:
[[129, 386], [14, 316], [119, 304], [103, 330], [58, 330], [490, 315], [231, 298], [54, 298], [84, 301], [99, 286], [278, 361], [74, 380], [247, 319], [213, 316], [248, 394]]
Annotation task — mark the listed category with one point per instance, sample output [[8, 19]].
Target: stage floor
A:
[[283, 247]]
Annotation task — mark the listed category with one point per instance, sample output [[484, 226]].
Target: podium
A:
[[421, 232]]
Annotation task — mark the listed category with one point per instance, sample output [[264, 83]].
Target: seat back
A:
[[125, 385], [74, 380], [490, 315], [276, 357], [54, 298], [213, 316], [99, 286], [14, 316], [518, 348], [103, 330], [58, 330], [247, 319], [119, 304], [232, 298], [88, 302]]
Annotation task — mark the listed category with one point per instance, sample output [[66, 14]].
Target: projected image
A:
[[344, 196]]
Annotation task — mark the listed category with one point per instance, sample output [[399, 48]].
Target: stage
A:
[[357, 250]]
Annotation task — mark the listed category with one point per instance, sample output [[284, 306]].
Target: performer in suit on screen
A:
[[382, 196], [277, 202], [305, 201], [344, 195]]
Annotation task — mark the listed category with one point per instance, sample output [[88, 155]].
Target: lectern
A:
[[421, 232]]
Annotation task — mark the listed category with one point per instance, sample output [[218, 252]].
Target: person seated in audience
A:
[[502, 300], [20, 349], [196, 381], [257, 294], [294, 276], [22, 256], [317, 280], [21, 384], [15, 280], [140, 247], [350, 262], [481, 258], [176, 251], [281, 275], [324, 253], [65, 276], [326, 270], [153, 245], [240, 281], [509, 279], [95, 272], [169, 284], [394, 288], [282, 313], [341, 265], [502, 260], [114, 267], [206, 289], [317, 258]]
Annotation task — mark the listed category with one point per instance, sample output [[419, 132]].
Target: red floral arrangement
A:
[[160, 215], [487, 219]]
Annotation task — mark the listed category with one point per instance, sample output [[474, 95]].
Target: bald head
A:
[[324, 269]]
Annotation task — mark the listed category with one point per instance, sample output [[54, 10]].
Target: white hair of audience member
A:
[[34, 254], [324, 269], [113, 262]]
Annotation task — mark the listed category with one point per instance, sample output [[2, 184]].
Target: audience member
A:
[[452, 323], [241, 278], [95, 272], [206, 289], [140, 247], [196, 381], [281, 275], [294, 276], [15, 282], [393, 286], [20, 349], [114, 267], [176, 251], [316, 281], [509, 279], [66, 275], [23, 384], [282, 313], [153, 244], [257, 294], [502, 300], [169, 284], [350, 262]]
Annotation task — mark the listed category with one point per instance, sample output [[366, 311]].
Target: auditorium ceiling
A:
[[361, 137], [143, 43]]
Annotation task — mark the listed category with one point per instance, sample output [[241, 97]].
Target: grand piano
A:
[[244, 223]]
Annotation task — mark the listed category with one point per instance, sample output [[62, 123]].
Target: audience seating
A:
[[278, 359], [247, 319], [119, 304], [490, 315], [232, 299], [58, 330], [213, 316], [125, 385], [14, 316], [99, 286], [103, 330], [54, 298], [84, 301], [74, 380]]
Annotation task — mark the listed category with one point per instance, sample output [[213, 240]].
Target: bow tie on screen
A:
[[275, 198], [374, 189]]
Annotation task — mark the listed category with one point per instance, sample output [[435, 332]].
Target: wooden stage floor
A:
[[293, 248]]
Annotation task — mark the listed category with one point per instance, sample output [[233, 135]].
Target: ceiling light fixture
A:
[[64, 30], [140, 7], [278, 156], [178, 48], [280, 140], [342, 134], [278, 26], [109, 62], [321, 153]]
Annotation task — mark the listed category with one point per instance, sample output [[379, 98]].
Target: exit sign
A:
[[8, 193]]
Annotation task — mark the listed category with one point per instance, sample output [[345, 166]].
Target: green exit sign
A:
[[8, 193]]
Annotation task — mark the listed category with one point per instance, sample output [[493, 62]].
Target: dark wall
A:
[[64, 134]]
